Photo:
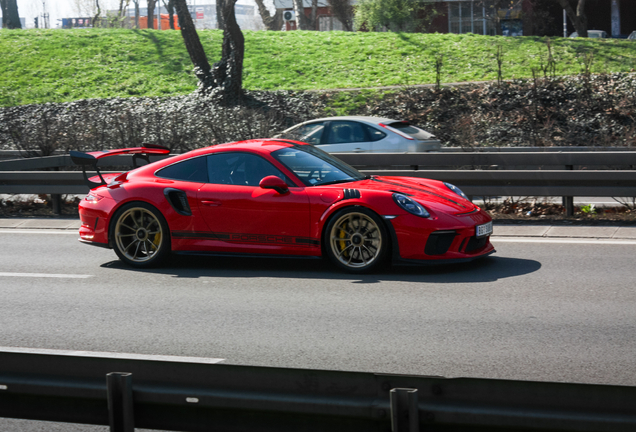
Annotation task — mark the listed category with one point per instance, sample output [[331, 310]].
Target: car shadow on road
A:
[[487, 269]]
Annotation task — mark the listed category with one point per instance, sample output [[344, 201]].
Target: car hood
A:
[[431, 193]]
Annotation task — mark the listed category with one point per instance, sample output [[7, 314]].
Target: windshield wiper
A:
[[335, 182]]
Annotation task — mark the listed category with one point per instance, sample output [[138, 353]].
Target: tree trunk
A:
[[578, 18], [220, 19], [228, 72], [342, 10], [99, 12], [225, 78], [151, 13], [136, 13], [10, 15], [270, 22], [314, 13], [170, 7], [191, 39], [301, 20]]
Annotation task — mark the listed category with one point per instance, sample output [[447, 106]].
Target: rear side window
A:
[[410, 130], [374, 134], [192, 170]]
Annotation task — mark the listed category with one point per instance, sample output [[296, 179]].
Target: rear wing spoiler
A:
[[90, 159]]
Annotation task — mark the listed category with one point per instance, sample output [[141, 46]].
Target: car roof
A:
[[260, 146], [367, 119]]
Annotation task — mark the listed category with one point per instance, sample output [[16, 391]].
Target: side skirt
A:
[[244, 255]]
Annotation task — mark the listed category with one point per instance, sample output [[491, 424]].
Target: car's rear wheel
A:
[[356, 240], [140, 235]]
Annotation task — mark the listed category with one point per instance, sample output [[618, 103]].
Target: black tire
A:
[[356, 240], [140, 235]]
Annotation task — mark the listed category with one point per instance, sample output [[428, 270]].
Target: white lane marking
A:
[[39, 231], [111, 355], [45, 275], [592, 241]]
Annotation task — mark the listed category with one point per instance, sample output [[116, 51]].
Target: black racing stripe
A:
[[307, 241], [201, 235]]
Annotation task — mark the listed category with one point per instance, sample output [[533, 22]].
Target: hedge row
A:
[[577, 111]]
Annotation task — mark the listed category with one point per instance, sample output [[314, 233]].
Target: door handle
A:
[[211, 203]]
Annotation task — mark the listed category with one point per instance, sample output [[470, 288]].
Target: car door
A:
[[243, 217], [346, 136]]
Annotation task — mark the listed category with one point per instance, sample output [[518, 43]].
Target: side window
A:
[[193, 170], [309, 133], [374, 134], [242, 169], [342, 132]]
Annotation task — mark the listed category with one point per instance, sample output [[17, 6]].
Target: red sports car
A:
[[277, 197]]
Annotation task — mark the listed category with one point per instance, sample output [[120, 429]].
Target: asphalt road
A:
[[545, 310]]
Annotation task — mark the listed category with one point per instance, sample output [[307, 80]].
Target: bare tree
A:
[[225, 78], [492, 7], [343, 11], [578, 17], [270, 22], [97, 13], [10, 15], [151, 13], [169, 5], [300, 14], [136, 2], [84, 7], [121, 14], [312, 16]]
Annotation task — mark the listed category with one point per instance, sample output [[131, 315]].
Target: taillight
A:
[[397, 131]]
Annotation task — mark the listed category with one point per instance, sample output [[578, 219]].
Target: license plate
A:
[[483, 230]]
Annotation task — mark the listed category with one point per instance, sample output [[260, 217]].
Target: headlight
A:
[[457, 190], [410, 205]]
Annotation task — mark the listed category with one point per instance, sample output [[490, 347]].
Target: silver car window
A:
[[310, 133], [341, 132]]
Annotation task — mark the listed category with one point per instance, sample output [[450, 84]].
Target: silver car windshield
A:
[[314, 167]]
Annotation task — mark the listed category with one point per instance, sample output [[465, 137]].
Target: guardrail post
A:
[[120, 402], [404, 414], [568, 201], [56, 204]]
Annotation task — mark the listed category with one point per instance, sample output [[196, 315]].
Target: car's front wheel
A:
[[356, 240], [140, 235]]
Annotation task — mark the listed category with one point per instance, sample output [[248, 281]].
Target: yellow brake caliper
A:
[[342, 243]]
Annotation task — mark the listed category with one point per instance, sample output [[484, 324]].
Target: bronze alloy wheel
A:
[[357, 239], [140, 235]]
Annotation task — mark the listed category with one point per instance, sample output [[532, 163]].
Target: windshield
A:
[[315, 167]]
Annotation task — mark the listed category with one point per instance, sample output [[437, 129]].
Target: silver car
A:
[[592, 34], [632, 35], [357, 134]]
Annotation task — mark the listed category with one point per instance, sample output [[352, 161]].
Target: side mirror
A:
[[276, 183]]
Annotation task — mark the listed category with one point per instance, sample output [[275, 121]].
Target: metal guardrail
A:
[[572, 176], [128, 391]]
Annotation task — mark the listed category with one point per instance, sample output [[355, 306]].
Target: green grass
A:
[[38, 66]]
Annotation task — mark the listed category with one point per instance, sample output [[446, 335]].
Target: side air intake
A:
[[351, 193]]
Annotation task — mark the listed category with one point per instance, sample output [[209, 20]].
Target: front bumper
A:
[[448, 239]]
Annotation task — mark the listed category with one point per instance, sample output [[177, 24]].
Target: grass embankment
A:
[[38, 66]]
